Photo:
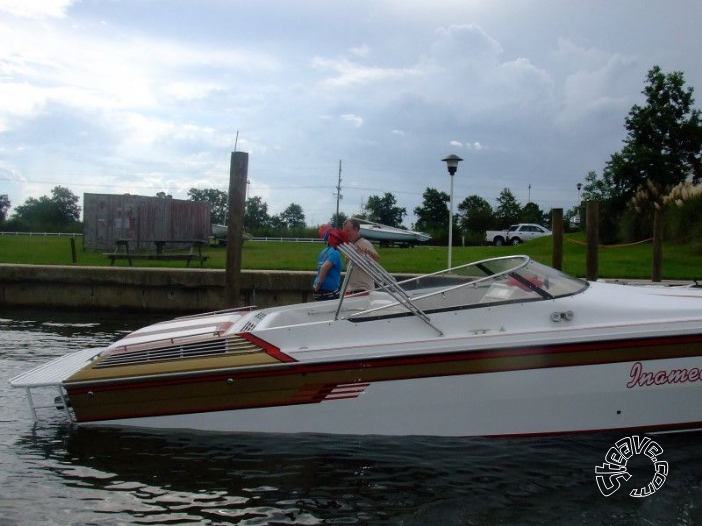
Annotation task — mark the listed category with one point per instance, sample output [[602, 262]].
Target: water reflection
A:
[[257, 479], [74, 324], [30, 335], [310, 479]]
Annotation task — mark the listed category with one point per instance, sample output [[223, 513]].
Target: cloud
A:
[[185, 91], [464, 43], [474, 146], [36, 8], [598, 84], [349, 74], [112, 72], [353, 119], [361, 51], [8, 173], [149, 95]]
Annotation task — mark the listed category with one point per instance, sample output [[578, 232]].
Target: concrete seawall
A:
[[145, 289], [179, 290]]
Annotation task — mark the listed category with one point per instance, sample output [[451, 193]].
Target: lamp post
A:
[[452, 165]]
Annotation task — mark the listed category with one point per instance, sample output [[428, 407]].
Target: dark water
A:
[[53, 474]]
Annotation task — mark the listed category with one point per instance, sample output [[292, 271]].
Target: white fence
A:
[[68, 234], [290, 239], [43, 234]]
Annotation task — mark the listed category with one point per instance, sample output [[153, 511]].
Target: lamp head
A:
[[452, 163]]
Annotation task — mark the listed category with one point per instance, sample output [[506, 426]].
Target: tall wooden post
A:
[[557, 229], [592, 236], [656, 273], [238, 177]]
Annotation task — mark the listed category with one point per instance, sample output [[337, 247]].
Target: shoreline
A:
[[184, 290]]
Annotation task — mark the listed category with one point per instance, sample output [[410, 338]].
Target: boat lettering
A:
[[641, 378]]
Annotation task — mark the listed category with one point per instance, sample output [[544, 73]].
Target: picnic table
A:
[[125, 249]]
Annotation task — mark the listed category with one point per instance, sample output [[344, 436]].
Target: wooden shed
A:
[[141, 219]]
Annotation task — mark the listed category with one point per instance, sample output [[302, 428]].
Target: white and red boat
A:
[[504, 346]]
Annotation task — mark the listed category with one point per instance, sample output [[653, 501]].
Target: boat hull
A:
[[541, 401], [547, 400], [386, 234]]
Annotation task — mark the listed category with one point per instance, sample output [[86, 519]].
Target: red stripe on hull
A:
[[269, 349]]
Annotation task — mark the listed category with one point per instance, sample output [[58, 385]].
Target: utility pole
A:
[[338, 196]]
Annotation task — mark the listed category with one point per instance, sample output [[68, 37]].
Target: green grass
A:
[[630, 261]]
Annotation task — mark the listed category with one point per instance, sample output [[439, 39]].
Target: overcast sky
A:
[[143, 96]]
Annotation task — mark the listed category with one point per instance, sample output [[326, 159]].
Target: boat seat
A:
[[379, 298], [498, 292]]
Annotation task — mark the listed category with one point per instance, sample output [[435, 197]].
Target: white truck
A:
[[516, 234]]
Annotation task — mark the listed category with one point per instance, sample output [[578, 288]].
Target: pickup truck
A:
[[516, 234]]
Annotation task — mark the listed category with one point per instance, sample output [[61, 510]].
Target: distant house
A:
[[109, 217]]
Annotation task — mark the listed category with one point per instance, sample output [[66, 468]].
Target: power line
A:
[[169, 187], [253, 186]]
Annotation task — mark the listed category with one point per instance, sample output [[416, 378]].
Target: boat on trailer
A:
[[500, 347], [389, 235]]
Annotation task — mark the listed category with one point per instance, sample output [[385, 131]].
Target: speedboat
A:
[[499, 347], [220, 233], [387, 235]]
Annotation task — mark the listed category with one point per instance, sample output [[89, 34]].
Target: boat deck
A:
[[55, 371], [51, 375]]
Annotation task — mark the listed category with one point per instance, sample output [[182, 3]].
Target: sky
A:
[[147, 96]]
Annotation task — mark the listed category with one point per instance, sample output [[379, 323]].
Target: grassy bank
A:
[[632, 261]]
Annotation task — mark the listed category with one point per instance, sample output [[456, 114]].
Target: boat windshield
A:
[[492, 281]]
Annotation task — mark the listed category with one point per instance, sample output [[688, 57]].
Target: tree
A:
[[475, 215], [293, 217], [383, 210], [664, 139], [276, 223], [596, 188], [58, 212], [600, 189], [531, 213], [433, 214], [219, 203], [663, 149], [663, 143], [66, 203], [164, 195], [338, 219], [508, 210], [4, 206], [256, 213]]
